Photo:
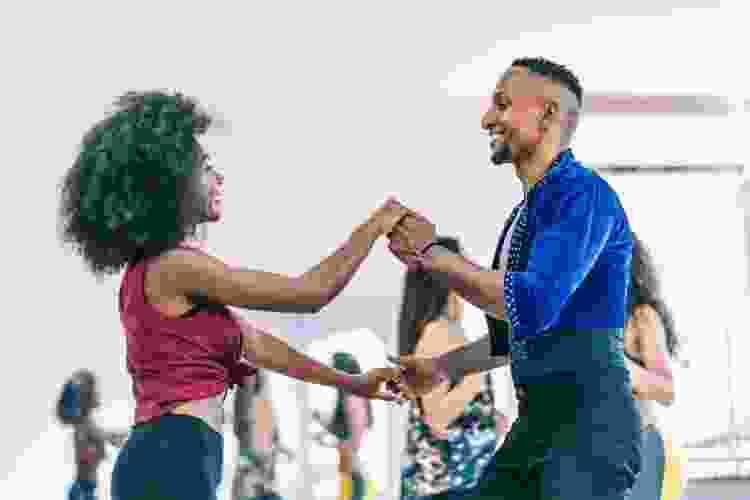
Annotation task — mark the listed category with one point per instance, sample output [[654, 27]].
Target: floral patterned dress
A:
[[455, 463]]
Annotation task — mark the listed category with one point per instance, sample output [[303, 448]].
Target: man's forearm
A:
[[335, 272], [480, 287], [474, 357]]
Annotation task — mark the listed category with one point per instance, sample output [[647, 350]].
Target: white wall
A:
[[694, 229]]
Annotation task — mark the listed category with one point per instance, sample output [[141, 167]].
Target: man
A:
[[554, 300]]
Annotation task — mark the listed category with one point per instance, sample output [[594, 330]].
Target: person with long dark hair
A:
[[138, 190], [651, 342], [348, 425], [78, 400], [452, 431], [257, 433]]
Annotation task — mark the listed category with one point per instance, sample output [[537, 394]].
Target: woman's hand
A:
[[418, 375], [372, 384], [389, 215]]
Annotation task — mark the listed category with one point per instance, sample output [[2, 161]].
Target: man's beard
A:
[[501, 155]]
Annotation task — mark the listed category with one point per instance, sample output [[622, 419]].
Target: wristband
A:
[[426, 247]]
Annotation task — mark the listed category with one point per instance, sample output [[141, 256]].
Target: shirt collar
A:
[[558, 165]]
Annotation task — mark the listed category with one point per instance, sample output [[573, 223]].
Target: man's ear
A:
[[551, 108], [546, 116]]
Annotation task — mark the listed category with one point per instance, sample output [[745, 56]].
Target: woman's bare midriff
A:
[[210, 410]]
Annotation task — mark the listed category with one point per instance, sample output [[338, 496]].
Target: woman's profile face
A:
[[211, 188]]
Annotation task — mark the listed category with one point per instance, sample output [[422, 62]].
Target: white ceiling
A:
[[667, 48]]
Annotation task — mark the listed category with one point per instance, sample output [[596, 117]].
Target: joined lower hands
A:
[[410, 378]]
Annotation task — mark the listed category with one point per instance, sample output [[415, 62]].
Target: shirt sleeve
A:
[[573, 227], [356, 410]]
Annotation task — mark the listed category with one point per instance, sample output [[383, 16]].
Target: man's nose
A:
[[489, 119]]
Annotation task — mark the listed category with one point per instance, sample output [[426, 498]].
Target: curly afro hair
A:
[[132, 190]]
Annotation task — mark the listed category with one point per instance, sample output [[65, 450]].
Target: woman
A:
[[453, 431], [136, 193], [351, 419], [78, 399], [259, 444], [650, 342]]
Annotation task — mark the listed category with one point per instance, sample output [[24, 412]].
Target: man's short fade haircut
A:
[[554, 72]]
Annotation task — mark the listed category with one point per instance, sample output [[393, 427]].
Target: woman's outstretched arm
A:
[[182, 273], [266, 351]]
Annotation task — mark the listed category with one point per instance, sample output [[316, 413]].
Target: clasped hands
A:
[[410, 378], [409, 233]]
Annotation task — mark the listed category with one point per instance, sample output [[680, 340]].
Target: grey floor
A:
[[718, 490]]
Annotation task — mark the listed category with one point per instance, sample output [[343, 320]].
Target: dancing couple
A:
[[554, 297]]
